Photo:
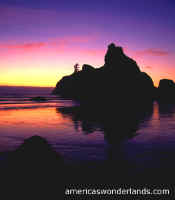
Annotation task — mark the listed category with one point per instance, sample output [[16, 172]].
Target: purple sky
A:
[[40, 41]]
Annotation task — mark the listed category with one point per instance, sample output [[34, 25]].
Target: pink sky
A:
[[39, 44]]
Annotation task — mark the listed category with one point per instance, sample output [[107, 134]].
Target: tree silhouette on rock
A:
[[118, 81]]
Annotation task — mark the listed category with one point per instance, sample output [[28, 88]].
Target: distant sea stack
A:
[[166, 91], [118, 81]]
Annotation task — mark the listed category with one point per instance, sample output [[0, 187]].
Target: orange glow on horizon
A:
[[50, 80], [36, 64]]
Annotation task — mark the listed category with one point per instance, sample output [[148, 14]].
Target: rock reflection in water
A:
[[117, 125]]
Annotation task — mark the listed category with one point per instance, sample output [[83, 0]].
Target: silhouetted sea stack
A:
[[166, 91], [118, 82]]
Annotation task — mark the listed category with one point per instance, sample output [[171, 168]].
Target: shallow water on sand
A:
[[78, 140], [23, 120]]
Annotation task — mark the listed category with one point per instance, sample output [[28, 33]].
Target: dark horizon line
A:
[[26, 86]]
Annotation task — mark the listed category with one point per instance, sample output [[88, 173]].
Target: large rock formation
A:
[[166, 91], [119, 81]]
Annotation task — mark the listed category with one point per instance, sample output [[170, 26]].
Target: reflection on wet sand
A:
[[18, 124], [129, 157], [117, 128], [114, 144]]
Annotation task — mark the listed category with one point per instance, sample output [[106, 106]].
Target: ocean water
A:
[[80, 139]]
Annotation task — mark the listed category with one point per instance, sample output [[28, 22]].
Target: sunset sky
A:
[[41, 40]]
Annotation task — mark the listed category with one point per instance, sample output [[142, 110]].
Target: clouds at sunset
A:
[[41, 41], [148, 67], [26, 46], [153, 52], [59, 45]]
